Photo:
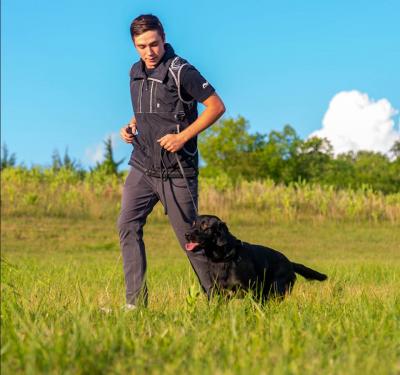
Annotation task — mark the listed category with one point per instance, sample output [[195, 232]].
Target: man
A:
[[165, 90]]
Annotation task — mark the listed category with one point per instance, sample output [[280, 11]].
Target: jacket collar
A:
[[161, 71]]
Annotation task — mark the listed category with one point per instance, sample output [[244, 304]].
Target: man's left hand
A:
[[172, 142]]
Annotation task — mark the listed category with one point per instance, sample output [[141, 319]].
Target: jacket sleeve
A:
[[194, 85]]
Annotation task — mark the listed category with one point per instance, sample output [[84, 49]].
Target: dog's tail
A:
[[308, 273]]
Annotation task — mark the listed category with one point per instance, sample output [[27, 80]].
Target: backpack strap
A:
[[175, 69]]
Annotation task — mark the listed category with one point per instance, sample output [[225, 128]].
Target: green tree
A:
[[395, 150], [313, 159], [66, 162], [7, 160], [56, 162], [371, 168], [280, 154], [395, 166], [108, 166], [341, 171], [228, 148]]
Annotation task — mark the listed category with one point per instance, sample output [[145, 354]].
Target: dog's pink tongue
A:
[[191, 245]]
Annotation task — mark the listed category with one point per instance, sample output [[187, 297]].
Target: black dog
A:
[[237, 265]]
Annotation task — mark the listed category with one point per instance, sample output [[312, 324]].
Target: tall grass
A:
[[41, 192], [55, 276]]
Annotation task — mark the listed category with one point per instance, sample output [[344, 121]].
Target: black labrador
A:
[[235, 265]]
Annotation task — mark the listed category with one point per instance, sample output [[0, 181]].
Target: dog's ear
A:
[[222, 227], [221, 234]]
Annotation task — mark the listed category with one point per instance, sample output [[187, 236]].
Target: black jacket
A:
[[161, 109]]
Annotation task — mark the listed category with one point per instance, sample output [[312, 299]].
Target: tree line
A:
[[108, 166], [229, 150]]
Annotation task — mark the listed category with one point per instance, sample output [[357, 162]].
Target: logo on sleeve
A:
[[205, 85]]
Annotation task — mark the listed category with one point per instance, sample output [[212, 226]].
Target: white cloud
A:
[[95, 154], [355, 122]]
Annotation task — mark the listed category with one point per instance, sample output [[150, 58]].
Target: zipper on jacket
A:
[[140, 96], [151, 97]]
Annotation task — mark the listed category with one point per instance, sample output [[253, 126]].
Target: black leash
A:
[[162, 169], [181, 168], [166, 177], [187, 184]]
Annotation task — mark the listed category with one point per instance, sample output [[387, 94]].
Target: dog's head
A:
[[211, 234]]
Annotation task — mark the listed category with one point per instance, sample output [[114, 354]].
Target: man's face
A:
[[150, 46]]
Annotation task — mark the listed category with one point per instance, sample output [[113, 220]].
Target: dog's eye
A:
[[203, 225]]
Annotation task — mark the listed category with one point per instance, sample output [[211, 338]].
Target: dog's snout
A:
[[192, 235]]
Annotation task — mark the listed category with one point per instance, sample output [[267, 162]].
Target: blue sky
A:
[[65, 64]]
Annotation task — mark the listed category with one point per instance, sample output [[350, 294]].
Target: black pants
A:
[[140, 194]]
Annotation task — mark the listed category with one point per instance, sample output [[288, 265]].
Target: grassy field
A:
[[57, 272]]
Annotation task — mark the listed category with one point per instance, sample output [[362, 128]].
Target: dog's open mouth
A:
[[190, 246]]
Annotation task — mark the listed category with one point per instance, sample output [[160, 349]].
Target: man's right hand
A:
[[127, 132]]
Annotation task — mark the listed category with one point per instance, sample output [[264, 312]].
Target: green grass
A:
[[56, 273]]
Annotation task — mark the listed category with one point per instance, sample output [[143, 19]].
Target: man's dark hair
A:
[[146, 22]]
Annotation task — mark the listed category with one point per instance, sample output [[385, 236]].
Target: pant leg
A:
[[181, 214], [138, 200]]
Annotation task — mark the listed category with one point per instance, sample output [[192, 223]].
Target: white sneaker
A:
[[128, 307], [106, 310]]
